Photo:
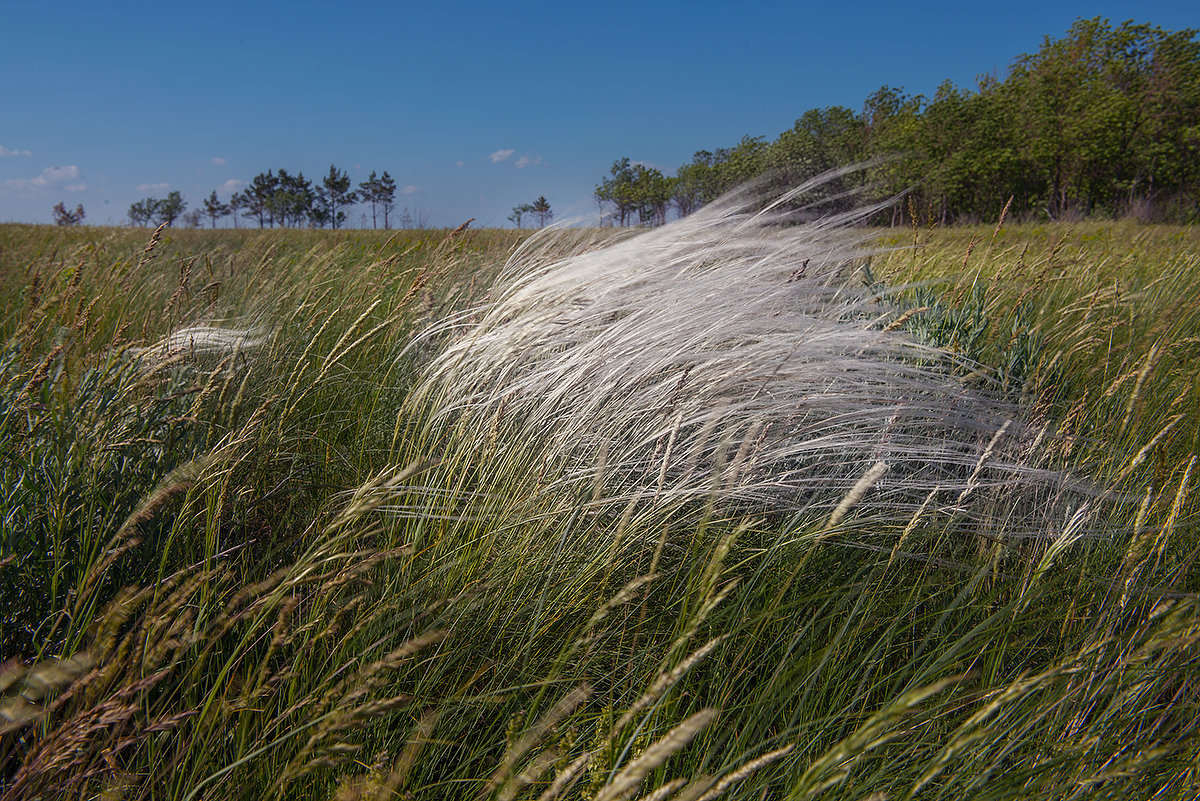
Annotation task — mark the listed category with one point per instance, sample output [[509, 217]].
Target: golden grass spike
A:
[[566, 778], [665, 791], [665, 681], [745, 771], [628, 780]]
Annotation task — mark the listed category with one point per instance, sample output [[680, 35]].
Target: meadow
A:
[[364, 546]]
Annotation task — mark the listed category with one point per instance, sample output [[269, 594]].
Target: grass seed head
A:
[[728, 355]]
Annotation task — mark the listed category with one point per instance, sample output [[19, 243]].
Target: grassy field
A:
[[302, 564]]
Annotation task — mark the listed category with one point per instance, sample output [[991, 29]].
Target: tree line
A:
[[284, 200], [1104, 121]]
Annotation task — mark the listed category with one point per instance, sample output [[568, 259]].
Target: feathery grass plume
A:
[[728, 331], [659, 752], [566, 778], [35, 687], [746, 771], [503, 777], [201, 340], [409, 755], [835, 765], [697, 787], [664, 792], [664, 682]]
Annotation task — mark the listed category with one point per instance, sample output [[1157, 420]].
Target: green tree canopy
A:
[[635, 190], [518, 213], [1105, 120], [369, 192]]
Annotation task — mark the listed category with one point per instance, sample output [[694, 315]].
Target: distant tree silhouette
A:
[[541, 210], [215, 209], [339, 195], [387, 196], [64, 217], [518, 213]]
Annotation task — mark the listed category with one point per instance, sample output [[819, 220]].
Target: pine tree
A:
[[258, 196], [387, 196], [541, 210], [337, 185], [237, 201], [215, 209], [368, 190]]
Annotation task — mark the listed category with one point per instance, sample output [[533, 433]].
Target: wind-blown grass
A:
[[372, 554], [725, 355]]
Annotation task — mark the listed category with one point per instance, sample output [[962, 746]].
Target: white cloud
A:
[[4, 151], [49, 177], [217, 160], [501, 155], [527, 161], [152, 187], [53, 175], [460, 163], [79, 187], [411, 190], [232, 185]]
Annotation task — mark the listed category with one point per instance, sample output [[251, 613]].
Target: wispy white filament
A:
[[202, 340], [724, 353]]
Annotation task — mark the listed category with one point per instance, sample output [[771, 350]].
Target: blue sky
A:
[[472, 107]]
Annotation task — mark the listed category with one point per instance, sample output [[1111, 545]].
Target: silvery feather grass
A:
[[732, 355], [201, 340]]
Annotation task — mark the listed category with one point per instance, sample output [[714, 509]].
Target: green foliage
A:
[[380, 192], [291, 199], [822, 140], [637, 193], [1104, 121], [258, 196], [385, 196], [144, 211], [269, 572], [171, 208], [158, 211]]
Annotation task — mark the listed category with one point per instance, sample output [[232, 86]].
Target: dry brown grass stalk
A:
[[148, 253], [40, 374]]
